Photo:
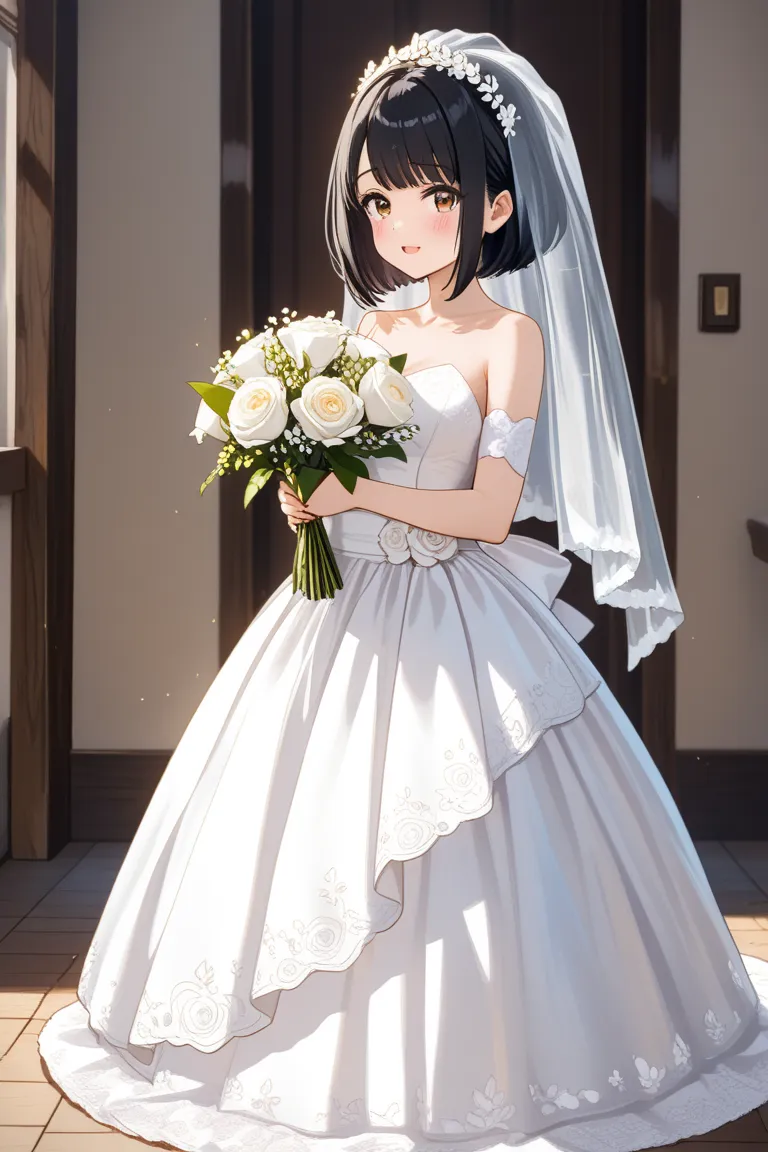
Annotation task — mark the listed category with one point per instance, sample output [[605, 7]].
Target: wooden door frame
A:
[[42, 535]]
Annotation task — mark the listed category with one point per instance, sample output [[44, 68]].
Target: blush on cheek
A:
[[378, 227], [444, 223]]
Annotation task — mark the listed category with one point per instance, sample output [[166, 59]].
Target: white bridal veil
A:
[[587, 469]]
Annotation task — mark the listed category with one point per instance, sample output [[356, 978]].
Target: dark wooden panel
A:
[[111, 790], [60, 529], [13, 470], [723, 795], [41, 614], [659, 415]]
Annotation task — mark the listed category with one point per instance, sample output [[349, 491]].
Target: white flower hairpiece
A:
[[429, 52]]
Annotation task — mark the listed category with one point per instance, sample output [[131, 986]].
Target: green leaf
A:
[[217, 397], [398, 362], [256, 483], [308, 480], [345, 476], [208, 480], [344, 459]]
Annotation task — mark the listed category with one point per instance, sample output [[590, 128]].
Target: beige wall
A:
[[146, 542], [722, 649]]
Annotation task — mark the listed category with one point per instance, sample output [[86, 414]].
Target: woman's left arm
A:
[[486, 510]]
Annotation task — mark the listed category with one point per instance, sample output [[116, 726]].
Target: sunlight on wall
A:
[[722, 648], [146, 542]]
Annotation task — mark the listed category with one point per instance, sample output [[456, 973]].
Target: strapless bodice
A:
[[444, 451], [442, 454]]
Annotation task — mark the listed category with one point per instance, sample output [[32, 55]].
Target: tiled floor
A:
[[49, 910]]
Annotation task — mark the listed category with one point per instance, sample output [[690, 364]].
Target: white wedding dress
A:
[[411, 880]]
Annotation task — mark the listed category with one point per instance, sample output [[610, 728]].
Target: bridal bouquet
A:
[[305, 398]]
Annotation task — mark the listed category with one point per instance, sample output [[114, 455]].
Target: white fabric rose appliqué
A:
[[400, 542]]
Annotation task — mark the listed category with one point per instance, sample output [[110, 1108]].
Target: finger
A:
[[297, 513], [294, 509], [289, 499]]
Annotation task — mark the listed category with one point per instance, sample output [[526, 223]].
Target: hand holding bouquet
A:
[[306, 398]]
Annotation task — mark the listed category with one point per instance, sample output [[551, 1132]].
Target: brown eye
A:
[[375, 205], [445, 201]]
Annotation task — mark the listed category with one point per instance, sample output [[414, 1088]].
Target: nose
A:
[[397, 224]]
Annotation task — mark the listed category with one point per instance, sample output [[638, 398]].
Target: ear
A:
[[499, 212]]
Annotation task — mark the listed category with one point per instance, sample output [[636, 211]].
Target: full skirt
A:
[[410, 881]]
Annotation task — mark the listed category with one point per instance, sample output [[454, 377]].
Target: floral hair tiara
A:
[[429, 52]]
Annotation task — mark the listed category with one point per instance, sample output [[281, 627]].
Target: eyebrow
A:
[[370, 172]]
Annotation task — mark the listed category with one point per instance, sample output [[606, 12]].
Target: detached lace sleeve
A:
[[503, 436]]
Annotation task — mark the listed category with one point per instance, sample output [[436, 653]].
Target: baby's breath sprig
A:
[[222, 364]]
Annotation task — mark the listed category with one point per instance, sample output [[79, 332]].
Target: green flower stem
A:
[[315, 571]]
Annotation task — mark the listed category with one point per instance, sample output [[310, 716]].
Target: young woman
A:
[[411, 879]]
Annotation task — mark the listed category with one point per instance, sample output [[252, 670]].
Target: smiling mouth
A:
[[409, 248]]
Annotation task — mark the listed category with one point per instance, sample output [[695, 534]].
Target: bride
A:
[[411, 879]]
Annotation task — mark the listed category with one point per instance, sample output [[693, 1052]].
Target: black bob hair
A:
[[422, 125]]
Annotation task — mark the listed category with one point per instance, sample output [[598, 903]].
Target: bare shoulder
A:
[[510, 326], [515, 364]]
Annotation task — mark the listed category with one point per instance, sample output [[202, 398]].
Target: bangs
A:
[[409, 142]]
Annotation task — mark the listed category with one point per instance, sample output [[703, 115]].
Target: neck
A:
[[439, 307]]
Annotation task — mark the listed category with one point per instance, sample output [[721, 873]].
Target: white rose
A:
[[393, 539], [360, 346], [318, 336], [429, 547], [387, 395], [259, 411], [207, 423], [248, 360], [328, 410]]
